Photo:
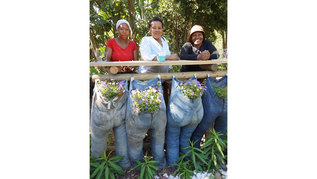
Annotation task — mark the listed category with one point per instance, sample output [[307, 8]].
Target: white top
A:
[[149, 48]]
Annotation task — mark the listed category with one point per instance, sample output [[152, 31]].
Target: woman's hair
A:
[[155, 19]]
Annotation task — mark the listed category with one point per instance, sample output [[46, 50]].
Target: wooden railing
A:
[[209, 65]]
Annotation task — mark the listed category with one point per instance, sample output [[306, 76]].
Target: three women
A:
[[123, 49]]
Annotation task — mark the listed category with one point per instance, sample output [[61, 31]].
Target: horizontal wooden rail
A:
[[164, 76], [156, 63]]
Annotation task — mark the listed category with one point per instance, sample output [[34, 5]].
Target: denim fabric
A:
[[215, 110], [107, 115], [183, 116], [138, 123]]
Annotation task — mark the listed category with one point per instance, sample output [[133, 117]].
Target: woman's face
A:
[[156, 29], [123, 31], [197, 38]]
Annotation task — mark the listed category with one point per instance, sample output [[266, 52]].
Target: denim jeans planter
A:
[[139, 122], [107, 115], [183, 116], [215, 110]]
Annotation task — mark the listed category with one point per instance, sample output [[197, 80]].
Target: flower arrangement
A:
[[110, 89], [220, 91], [148, 100], [192, 88]]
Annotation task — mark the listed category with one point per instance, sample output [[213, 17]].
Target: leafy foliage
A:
[[175, 68], [209, 157], [147, 167], [184, 170], [214, 149], [105, 167], [110, 89], [178, 17], [220, 91], [193, 159]]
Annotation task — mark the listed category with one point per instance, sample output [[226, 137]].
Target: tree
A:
[[178, 17]]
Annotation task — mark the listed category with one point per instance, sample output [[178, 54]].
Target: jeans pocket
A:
[[181, 113]]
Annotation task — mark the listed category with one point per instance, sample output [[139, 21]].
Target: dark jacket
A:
[[189, 52]]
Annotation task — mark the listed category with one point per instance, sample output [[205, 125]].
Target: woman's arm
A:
[[145, 50], [135, 55], [212, 50], [172, 57], [108, 54], [187, 52]]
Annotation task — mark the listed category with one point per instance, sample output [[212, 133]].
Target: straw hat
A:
[[196, 28]]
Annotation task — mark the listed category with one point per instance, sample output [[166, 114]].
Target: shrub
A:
[[148, 167], [214, 149], [107, 168]]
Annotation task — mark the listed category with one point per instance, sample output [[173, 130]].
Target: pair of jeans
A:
[[215, 110], [139, 122], [106, 115], [183, 116]]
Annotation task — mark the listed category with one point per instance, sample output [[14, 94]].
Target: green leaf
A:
[[94, 164], [219, 148], [201, 159], [139, 164], [152, 162], [149, 172], [107, 173], [116, 158], [154, 167], [117, 168], [96, 170], [142, 172], [99, 174], [112, 175]]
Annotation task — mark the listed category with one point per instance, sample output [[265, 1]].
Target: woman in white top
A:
[[152, 45]]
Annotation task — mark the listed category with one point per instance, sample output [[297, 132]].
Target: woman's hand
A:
[[172, 57], [127, 68], [203, 55]]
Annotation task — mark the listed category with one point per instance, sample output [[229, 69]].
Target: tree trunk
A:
[[93, 46], [224, 39], [131, 14]]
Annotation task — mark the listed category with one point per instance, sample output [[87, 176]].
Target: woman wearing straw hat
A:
[[197, 48], [121, 48]]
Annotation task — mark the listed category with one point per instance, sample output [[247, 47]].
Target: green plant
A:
[[197, 156], [148, 100], [148, 167], [220, 91], [94, 71], [214, 149], [193, 159], [175, 68], [110, 89], [222, 67], [192, 88], [184, 170], [107, 168]]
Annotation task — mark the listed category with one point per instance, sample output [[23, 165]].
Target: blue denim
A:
[[183, 116], [106, 115], [215, 110], [139, 122]]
